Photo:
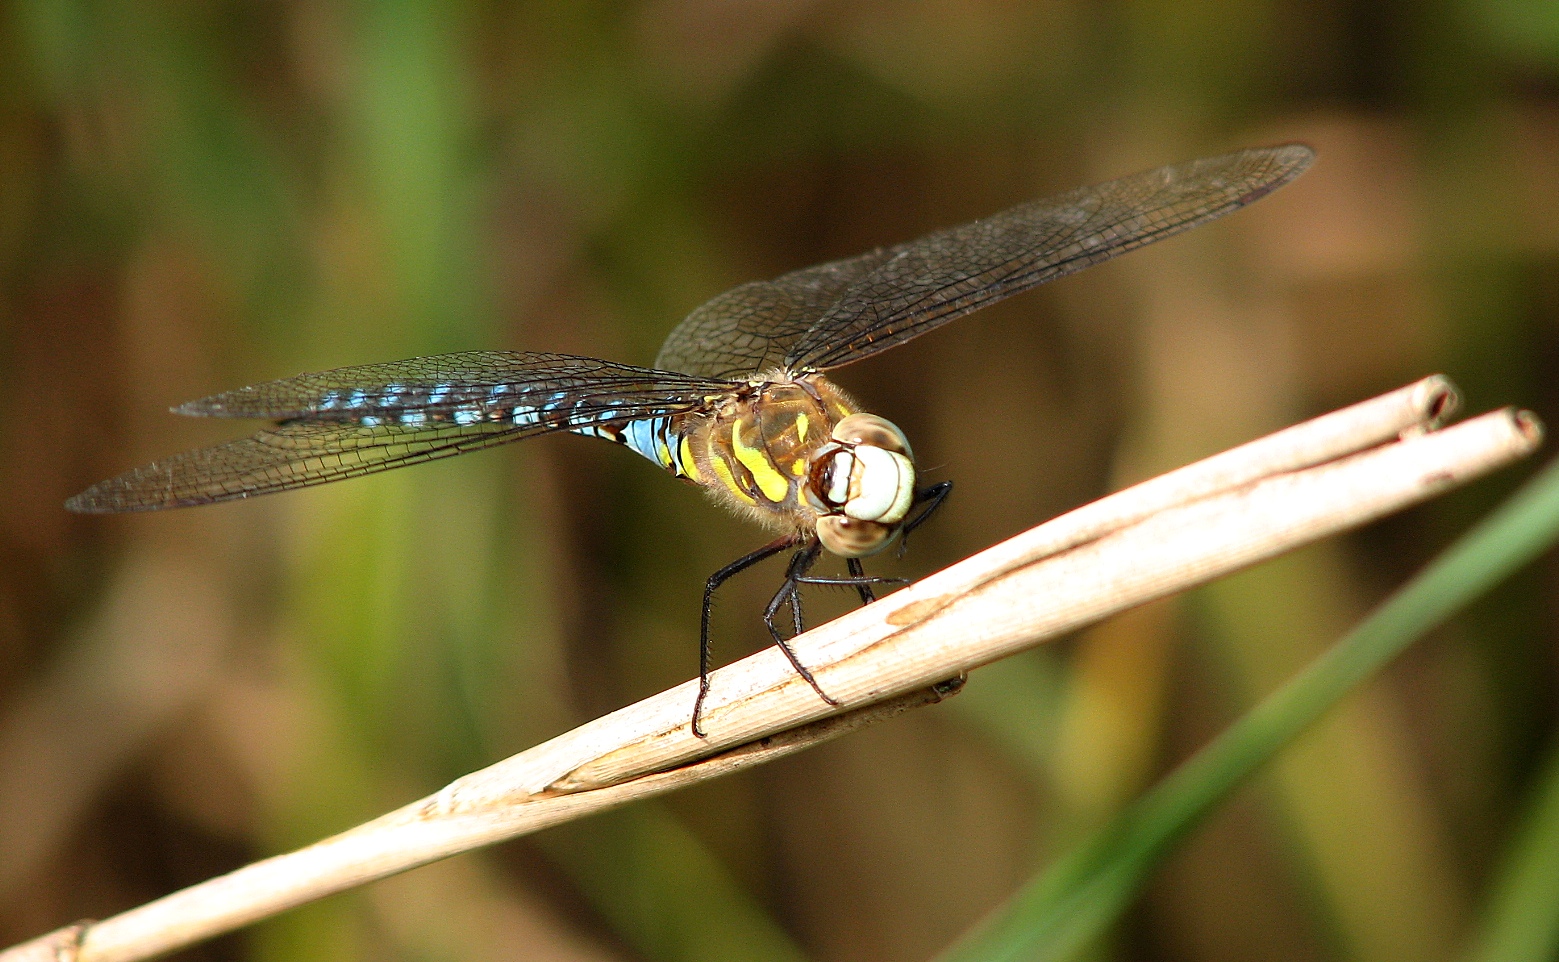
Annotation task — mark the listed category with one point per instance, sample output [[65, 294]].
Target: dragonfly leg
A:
[[715, 581], [861, 584], [858, 579], [798, 623], [932, 497], [790, 593]]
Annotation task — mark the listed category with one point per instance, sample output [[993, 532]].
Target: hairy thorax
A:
[[754, 450]]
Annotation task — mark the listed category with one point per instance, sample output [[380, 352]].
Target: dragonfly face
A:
[[862, 483], [736, 401]]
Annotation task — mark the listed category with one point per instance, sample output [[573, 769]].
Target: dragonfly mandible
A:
[[736, 401]]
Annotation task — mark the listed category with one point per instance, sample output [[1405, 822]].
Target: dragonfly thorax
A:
[[795, 452]]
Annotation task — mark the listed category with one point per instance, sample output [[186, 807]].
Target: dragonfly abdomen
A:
[[660, 439]]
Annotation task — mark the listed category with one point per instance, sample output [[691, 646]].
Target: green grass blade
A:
[[1067, 907], [1522, 921]]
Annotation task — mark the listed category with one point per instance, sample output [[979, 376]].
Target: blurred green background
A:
[[195, 196]]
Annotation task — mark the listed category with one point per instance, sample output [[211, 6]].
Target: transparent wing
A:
[[358, 420], [926, 283], [455, 385], [750, 328]]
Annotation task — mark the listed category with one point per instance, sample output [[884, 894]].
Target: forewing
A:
[[928, 282], [750, 328], [451, 385], [354, 421]]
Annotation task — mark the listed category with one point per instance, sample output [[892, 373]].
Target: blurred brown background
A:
[[196, 196]]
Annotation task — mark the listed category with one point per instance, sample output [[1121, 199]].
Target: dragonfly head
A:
[[862, 483]]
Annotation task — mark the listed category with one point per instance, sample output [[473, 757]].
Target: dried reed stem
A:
[[1173, 532]]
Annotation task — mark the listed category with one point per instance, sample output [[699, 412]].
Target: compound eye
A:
[[829, 478], [882, 485], [873, 430], [851, 538]]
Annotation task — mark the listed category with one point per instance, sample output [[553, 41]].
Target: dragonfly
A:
[[737, 402]]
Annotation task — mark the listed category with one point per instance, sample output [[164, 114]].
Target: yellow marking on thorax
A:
[[689, 462], [769, 480], [723, 472], [802, 423], [663, 452]]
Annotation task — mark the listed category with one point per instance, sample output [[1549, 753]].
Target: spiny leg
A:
[[790, 593], [715, 581], [858, 579], [932, 497], [794, 578], [861, 584]]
